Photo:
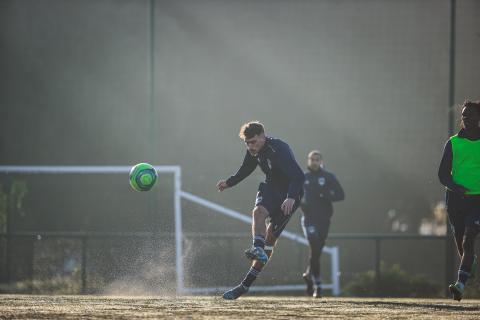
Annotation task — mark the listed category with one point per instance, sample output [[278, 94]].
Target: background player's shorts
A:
[[463, 211], [316, 233], [315, 229], [272, 200]]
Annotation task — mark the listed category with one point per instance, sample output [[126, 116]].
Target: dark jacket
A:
[[279, 165], [321, 188]]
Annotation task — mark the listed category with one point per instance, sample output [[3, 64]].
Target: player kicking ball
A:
[[459, 172], [277, 198]]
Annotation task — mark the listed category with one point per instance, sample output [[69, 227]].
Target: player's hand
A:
[[222, 185], [287, 206]]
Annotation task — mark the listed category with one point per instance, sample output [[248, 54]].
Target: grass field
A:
[[257, 307]]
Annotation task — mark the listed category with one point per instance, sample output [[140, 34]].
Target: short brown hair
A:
[[250, 129], [472, 104], [315, 152]]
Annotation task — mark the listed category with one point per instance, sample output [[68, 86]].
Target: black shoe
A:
[[317, 293], [236, 292], [456, 290], [308, 280]]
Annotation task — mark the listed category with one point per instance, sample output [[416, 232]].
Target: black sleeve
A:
[[292, 170], [249, 164], [445, 169], [335, 192]]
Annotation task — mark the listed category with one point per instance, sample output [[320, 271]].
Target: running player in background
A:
[[277, 198], [321, 189], [459, 172]]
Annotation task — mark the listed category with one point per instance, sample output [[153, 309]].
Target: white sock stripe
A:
[[253, 271], [268, 248]]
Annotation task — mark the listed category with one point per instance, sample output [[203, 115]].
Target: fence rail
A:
[[84, 237]]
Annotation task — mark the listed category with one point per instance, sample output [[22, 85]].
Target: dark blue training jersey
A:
[[277, 161], [321, 189]]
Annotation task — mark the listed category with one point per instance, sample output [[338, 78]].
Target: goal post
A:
[[332, 251], [175, 170], [178, 195]]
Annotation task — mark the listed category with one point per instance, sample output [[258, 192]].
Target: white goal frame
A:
[[178, 196]]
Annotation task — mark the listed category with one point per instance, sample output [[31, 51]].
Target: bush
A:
[[394, 282], [55, 285]]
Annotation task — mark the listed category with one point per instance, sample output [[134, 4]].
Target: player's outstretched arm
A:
[[248, 166]]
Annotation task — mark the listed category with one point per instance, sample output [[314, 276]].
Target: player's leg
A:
[[254, 270], [456, 218], [458, 228], [257, 251], [257, 265], [275, 227], [307, 276], [458, 236], [322, 232], [265, 202], [316, 235], [472, 228], [270, 242], [313, 267], [466, 263], [266, 199]]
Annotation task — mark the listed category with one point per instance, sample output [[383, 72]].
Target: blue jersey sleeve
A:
[[336, 192], [289, 166], [248, 166]]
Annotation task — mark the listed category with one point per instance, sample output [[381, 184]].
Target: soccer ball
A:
[[143, 177]]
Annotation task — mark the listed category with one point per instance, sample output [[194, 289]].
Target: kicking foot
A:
[[457, 290], [256, 253], [235, 293], [317, 293], [308, 280]]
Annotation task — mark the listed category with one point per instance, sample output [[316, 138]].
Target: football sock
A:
[[250, 277], [259, 241], [463, 274]]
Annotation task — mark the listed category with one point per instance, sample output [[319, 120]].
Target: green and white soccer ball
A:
[[143, 177]]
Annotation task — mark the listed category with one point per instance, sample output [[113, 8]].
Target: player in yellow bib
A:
[[459, 172]]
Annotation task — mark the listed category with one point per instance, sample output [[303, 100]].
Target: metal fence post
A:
[[377, 261], [84, 265]]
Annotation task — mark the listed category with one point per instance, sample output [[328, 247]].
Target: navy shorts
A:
[[272, 200], [316, 233], [316, 230], [463, 211]]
